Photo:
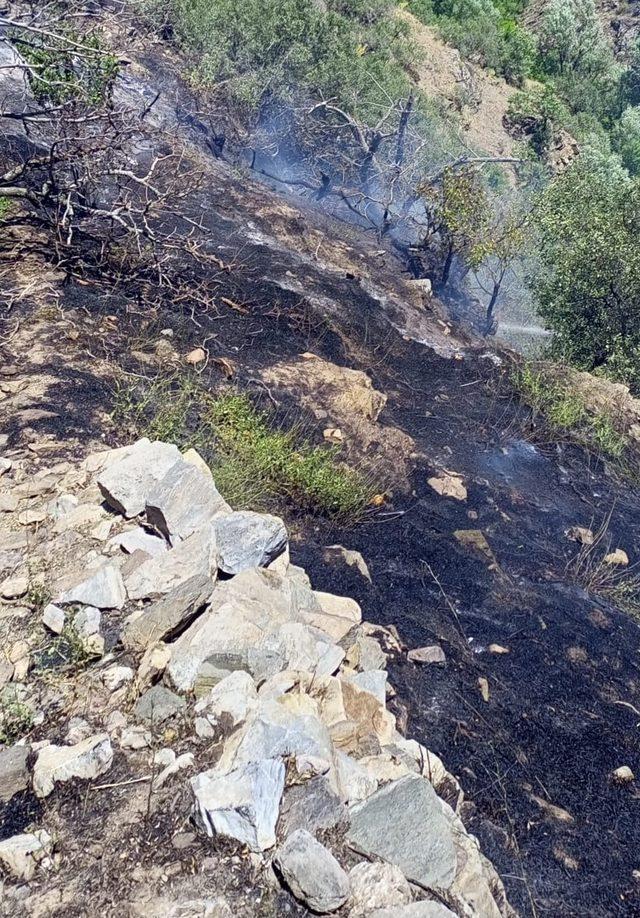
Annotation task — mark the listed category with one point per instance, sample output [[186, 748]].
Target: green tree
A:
[[459, 214], [626, 139], [588, 288]]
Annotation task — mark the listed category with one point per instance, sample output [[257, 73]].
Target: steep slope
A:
[[533, 733]]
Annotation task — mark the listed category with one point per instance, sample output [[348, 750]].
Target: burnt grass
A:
[[563, 704]]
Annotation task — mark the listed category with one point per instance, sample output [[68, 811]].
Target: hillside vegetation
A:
[[339, 82]]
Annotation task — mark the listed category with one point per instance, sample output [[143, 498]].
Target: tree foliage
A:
[[588, 289]]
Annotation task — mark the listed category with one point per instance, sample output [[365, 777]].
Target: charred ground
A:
[[563, 702]]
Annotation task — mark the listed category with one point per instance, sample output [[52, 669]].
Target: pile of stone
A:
[[219, 626]]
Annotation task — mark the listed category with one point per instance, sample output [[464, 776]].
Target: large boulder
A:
[[184, 501], [127, 483], [247, 540], [403, 823], [242, 804], [86, 760], [312, 873]]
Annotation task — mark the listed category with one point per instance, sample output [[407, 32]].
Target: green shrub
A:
[[60, 72], [259, 50], [255, 465], [565, 411], [16, 717]]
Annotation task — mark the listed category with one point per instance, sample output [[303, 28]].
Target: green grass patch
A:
[[256, 463], [565, 412], [16, 717]]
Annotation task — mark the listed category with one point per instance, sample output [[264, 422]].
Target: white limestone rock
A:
[[183, 501], [247, 540], [20, 855], [85, 760], [102, 588], [127, 483], [242, 804]]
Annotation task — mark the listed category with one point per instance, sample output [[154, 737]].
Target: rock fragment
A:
[[403, 823], [431, 654], [312, 873], [376, 885], [20, 855], [172, 613], [85, 760], [127, 483], [423, 909], [242, 804], [448, 485], [158, 576], [622, 775], [158, 704], [14, 774], [139, 539], [312, 806], [233, 696], [183, 501], [247, 540], [54, 618], [102, 589]]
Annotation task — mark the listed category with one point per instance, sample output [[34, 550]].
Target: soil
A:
[[563, 705]]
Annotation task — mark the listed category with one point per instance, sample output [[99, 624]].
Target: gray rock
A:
[[114, 677], [158, 576], [103, 589], [423, 909], [350, 557], [312, 806], [8, 502], [370, 653], [431, 654], [21, 854], [139, 539], [158, 704], [62, 505], [294, 646], [5, 465], [127, 483], [14, 774], [376, 885], [235, 696], [242, 804], [87, 621], [86, 760], [247, 540], [355, 783], [242, 610], [184, 501], [280, 727], [54, 618], [373, 681], [403, 823], [164, 618], [312, 873]]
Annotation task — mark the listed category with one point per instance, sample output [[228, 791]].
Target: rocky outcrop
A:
[[276, 696]]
